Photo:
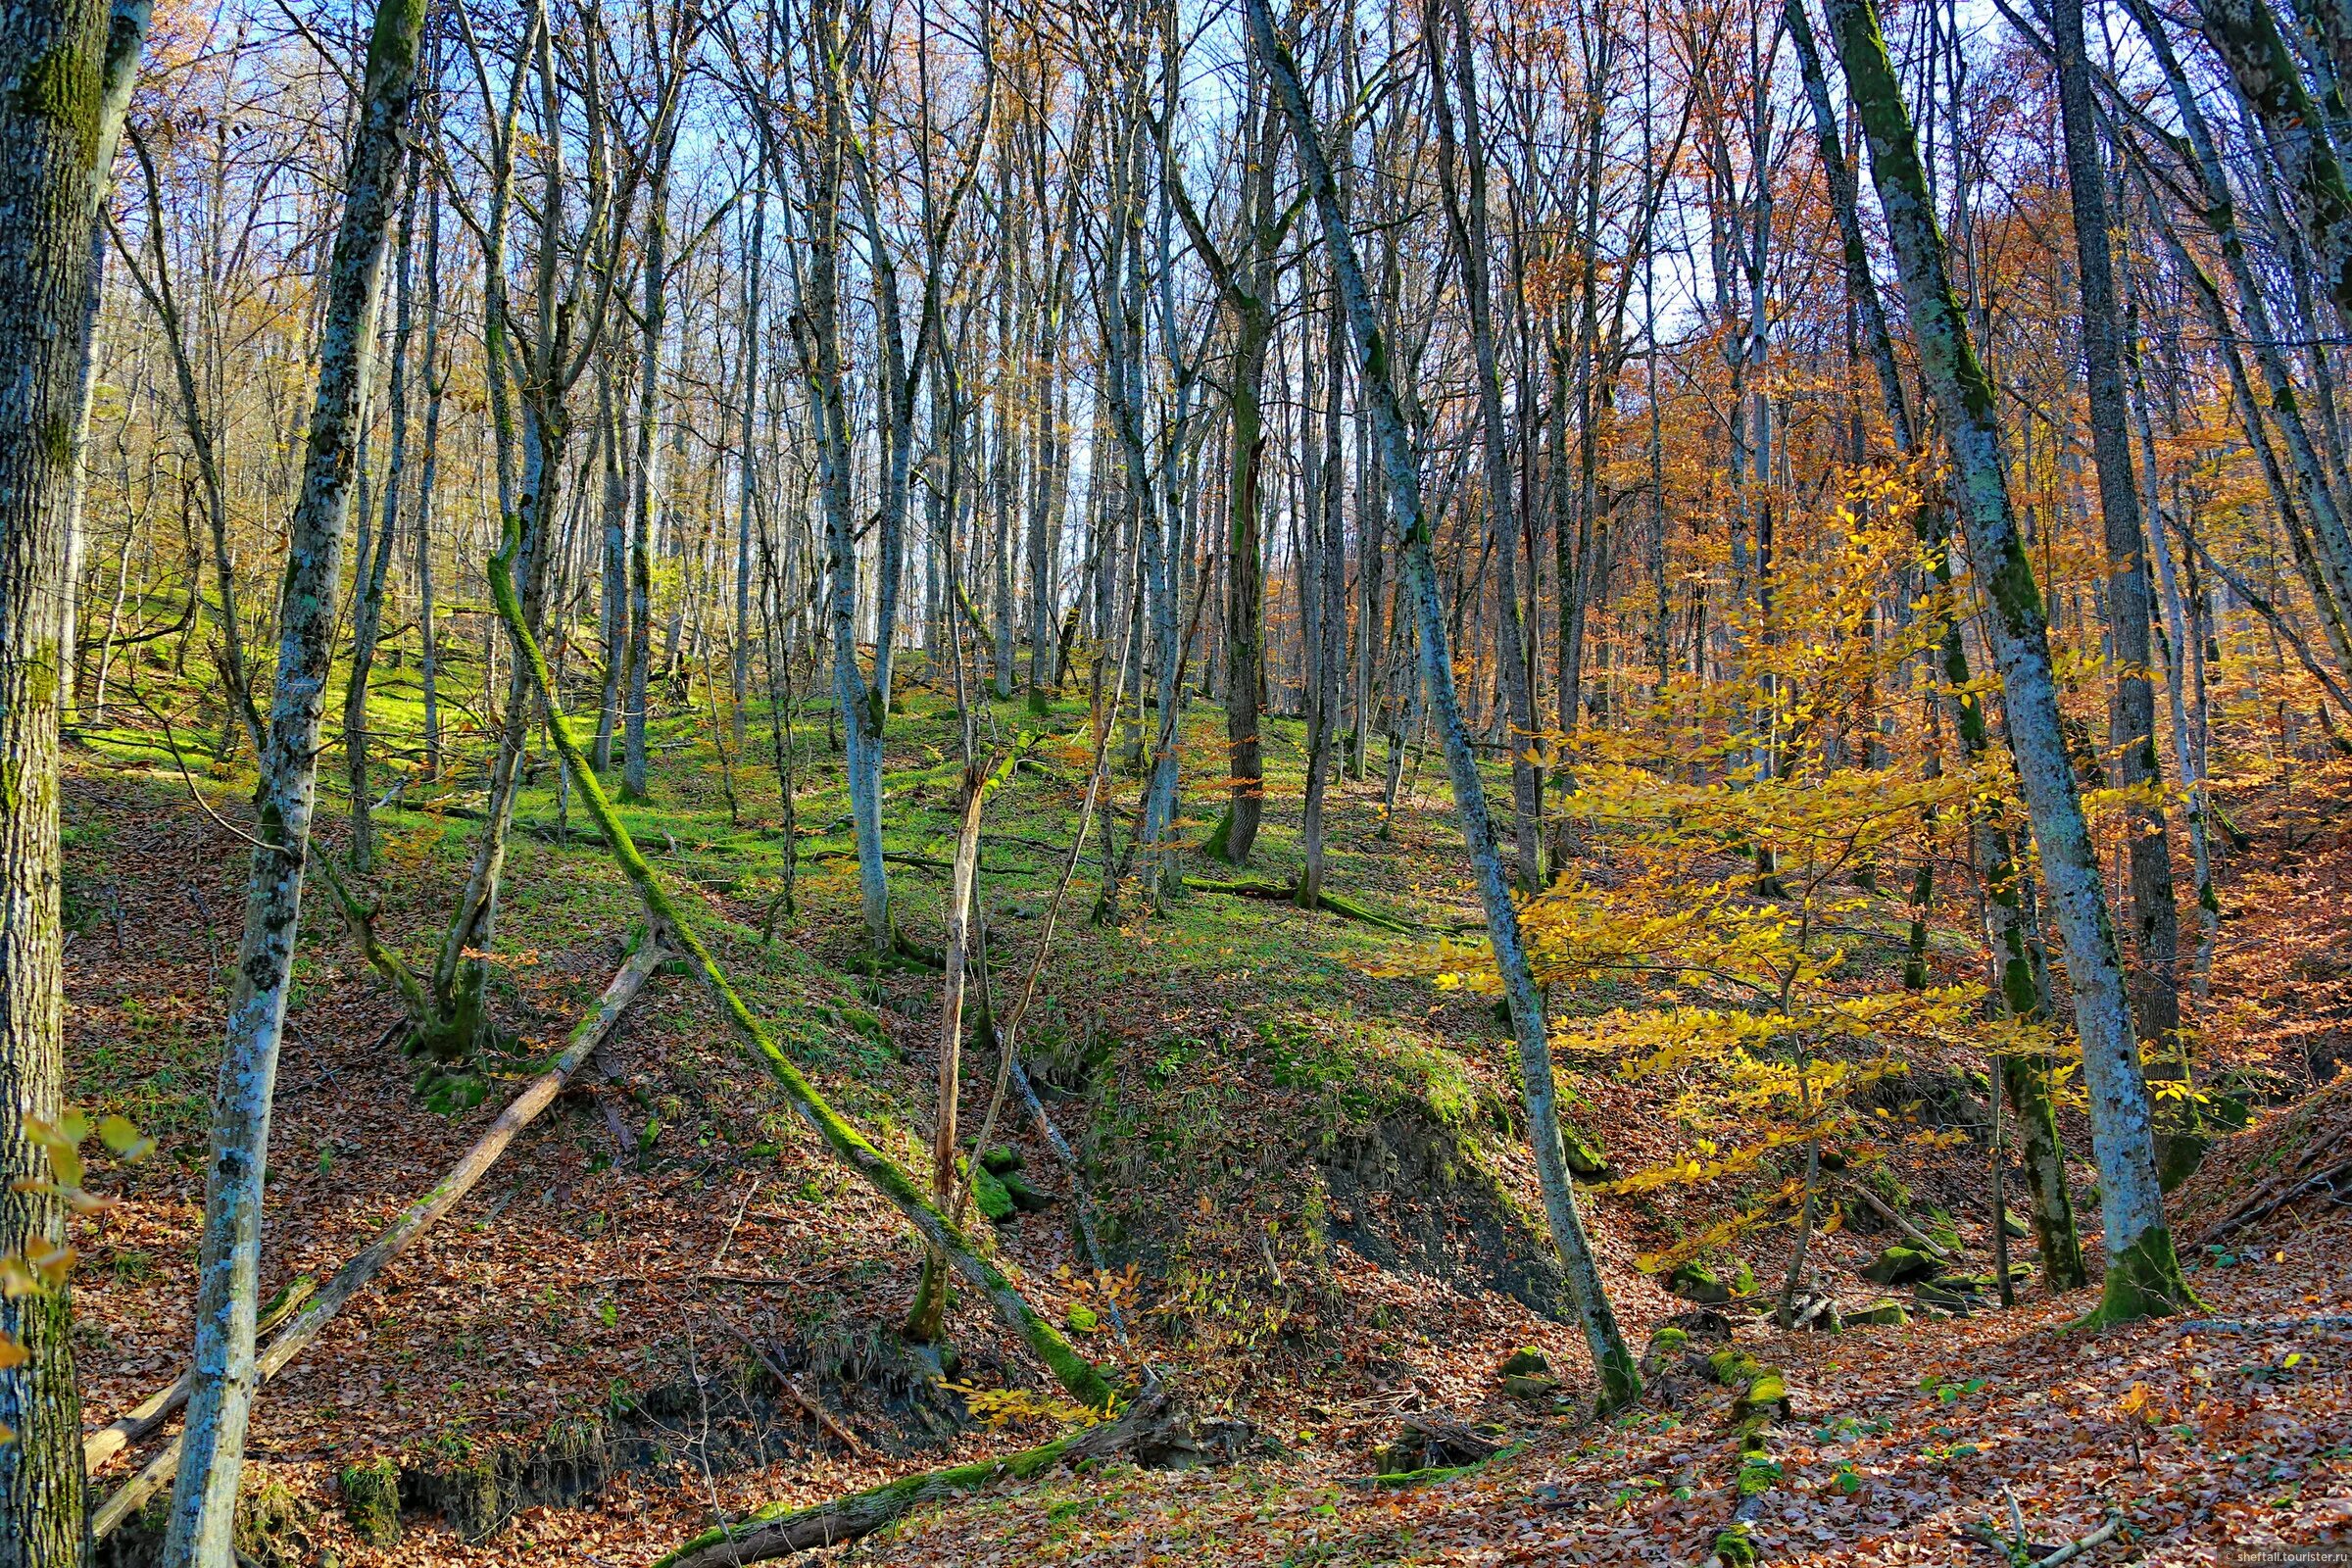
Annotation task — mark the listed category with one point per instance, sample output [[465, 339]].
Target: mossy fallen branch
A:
[[846, 1143], [829, 1524], [1436, 1475]]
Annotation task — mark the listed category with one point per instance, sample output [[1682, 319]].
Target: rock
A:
[[988, 1194], [1957, 1298], [2016, 1228], [1901, 1266], [1025, 1198], [1701, 1324], [1082, 1319], [1879, 1314], [1527, 1362], [1766, 1394], [999, 1162], [1523, 1386], [1695, 1282], [1587, 1159], [372, 1500]]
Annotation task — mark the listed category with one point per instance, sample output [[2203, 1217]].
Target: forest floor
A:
[[1315, 1167]]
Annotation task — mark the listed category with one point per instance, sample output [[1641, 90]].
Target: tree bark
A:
[[1620, 1378], [2143, 1276], [66, 70], [204, 1501]]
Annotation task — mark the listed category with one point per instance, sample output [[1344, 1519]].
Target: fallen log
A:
[[1074, 1372], [1152, 1431], [414, 1220], [153, 1411]]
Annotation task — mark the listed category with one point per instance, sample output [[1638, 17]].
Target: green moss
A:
[[988, 1194], [1735, 1550], [372, 1500], [846, 1143], [63, 87], [2143, 1281]]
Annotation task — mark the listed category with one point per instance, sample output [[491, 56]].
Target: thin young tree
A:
[[204, 1497]]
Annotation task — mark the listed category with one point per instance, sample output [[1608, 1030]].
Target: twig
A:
[[1872, 1201], [808, 1406], [728, 1240]]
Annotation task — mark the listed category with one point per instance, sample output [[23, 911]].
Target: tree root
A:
[[1330, 903], [1153, 1432]]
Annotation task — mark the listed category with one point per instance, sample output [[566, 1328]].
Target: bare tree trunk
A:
[[436, 382], [203, 1499], [2132, 723], [1620, 1379], [2143, 1275], [368, 609]]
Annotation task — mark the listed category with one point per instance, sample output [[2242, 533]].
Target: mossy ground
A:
[[1230, 1069]]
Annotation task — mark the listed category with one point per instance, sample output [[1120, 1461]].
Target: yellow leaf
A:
[[126, 1139]]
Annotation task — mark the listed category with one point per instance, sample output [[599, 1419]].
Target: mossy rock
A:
[[1879, 1314], [1530, 1386], [1082, 1319], [1695, 1282], [988, 1194], [2017, 1230], [1901, 1266], [1001, 1162], [1587, 1159], [1025, 1198], [1767, 1390], [1527, 1362]]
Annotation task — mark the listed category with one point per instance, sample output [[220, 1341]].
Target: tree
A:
[[204, 1498], [68, 67], [1620, 1379], [2143, 1275]]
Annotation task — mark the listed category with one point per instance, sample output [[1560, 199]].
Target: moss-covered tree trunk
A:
[[1620, 1378], [2143, 1276], [65, 68]]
